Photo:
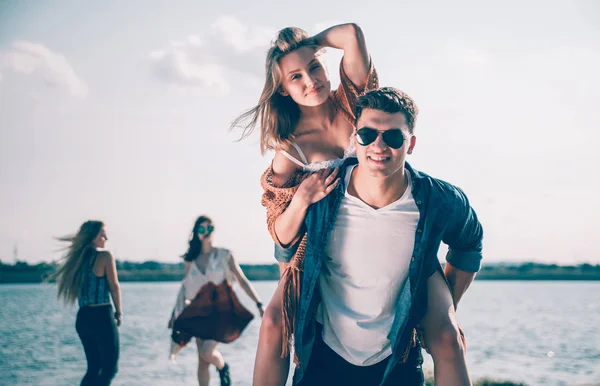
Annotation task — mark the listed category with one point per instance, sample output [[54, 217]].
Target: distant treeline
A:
[[21, 272]]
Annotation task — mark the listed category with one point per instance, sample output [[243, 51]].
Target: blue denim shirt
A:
[[445, 216]]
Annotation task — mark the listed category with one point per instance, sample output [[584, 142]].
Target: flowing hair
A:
[[194, 243], [70, 275], [278, 114]]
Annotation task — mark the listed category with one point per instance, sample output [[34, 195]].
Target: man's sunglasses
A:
[[393, 137], [202, 230]]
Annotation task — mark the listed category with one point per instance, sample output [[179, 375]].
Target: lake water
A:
[[541, 333]]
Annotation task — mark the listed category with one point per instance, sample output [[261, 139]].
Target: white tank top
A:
[[217, 271]]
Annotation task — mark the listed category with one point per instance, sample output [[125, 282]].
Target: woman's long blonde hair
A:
[[71, 273], [278, 114]]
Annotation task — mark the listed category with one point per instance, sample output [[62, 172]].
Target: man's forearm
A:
[[459, 281]]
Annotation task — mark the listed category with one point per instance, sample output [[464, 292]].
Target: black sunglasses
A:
[[393, 137], [202, 230]]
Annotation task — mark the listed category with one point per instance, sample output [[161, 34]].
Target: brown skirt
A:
[[215, 313]]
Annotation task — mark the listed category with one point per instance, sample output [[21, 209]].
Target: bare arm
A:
[[289, 224], [349, 38], [113, 282], [459, 282], [241, 278], [188, 265]]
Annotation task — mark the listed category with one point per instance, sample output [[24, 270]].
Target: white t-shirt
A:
[[366, 264]]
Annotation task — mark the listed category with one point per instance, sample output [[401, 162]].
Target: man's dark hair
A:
[[389, 100]]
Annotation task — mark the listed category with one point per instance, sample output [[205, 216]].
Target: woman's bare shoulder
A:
[[284, 168], [104, 254]]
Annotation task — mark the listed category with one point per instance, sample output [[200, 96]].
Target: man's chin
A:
[[381, 171]]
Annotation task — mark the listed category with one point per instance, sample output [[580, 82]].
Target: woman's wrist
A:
[[298, 204]]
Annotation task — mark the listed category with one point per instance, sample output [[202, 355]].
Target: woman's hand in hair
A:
[[348, 37]]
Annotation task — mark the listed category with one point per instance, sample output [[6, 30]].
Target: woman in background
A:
[[89, 275], [207, 270]]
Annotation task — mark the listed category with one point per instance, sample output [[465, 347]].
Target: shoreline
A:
[[151, 271]]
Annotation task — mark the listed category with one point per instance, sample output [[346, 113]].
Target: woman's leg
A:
[[109, 342], [270, 369], [90, 346], [208, 355], [203, 372], [442, 337], [175, 349]]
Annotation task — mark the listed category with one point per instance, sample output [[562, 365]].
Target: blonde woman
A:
[[88, 275], [309, 126]]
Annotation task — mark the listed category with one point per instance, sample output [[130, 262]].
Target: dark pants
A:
[[98, 333], [327, 368]]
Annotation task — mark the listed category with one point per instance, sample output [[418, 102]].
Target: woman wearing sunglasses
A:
[[209, 271]]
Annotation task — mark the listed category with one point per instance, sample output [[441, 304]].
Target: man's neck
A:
[[377, 191]]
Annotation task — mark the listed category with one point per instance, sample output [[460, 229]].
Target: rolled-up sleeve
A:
[[464, 235], [284, 255]]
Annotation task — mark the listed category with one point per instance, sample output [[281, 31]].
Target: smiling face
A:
[[304, 77], [380, 157]]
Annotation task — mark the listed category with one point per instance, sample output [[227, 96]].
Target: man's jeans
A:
[[327, 368]]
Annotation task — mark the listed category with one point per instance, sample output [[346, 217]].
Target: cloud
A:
[[194, 40], [241, 37], [178, 66], [226, 52], [29, 58]]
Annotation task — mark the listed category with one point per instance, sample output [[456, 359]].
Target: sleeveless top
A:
[[217, 271], [95, 289]]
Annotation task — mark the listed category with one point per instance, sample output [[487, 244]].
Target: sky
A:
[[119, 111]]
